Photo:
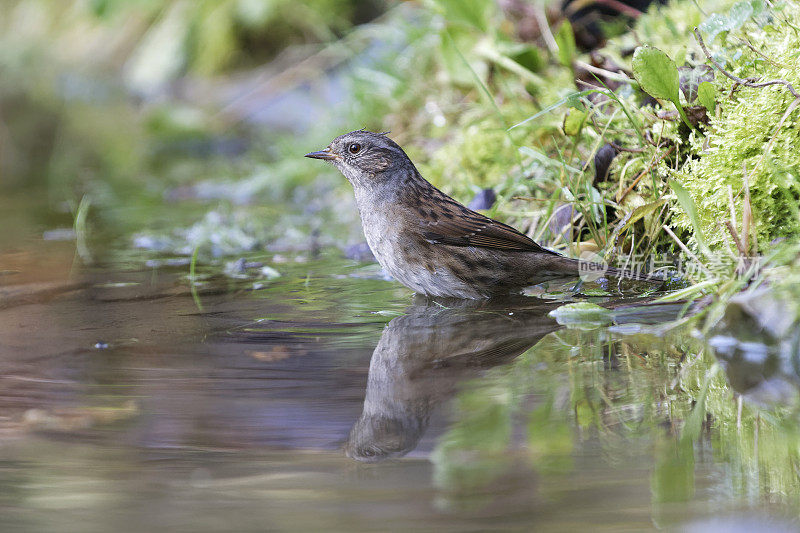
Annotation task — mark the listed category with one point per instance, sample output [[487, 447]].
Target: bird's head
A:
[[364, 157]]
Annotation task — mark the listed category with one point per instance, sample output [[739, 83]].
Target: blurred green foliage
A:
[[89, 109], [97, 99]]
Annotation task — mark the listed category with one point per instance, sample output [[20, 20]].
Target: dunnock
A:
[[431, 243]]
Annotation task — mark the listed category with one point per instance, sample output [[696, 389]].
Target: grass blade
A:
[[688, 205]]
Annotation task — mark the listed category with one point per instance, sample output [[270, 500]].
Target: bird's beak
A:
[[325, 154]]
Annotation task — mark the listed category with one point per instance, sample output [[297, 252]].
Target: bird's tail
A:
[[590, 270]]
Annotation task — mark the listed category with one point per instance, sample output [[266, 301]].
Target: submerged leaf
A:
[[582, 315]]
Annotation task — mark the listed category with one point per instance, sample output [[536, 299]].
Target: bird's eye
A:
[[354, 148]]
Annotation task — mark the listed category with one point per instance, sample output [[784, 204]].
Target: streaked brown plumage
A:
[[428, 241]]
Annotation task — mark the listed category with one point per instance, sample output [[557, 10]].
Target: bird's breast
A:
[[386, 239], [407, 256]]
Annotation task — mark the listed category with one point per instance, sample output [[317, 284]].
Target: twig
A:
[[644, 172], [598, 88], [608, 74], [747, 211], [736, 240], [742, 81], [686, 250], [755, 51], [544, 28], [731, 205]]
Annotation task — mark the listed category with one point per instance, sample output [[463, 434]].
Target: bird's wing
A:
[[463, 227]]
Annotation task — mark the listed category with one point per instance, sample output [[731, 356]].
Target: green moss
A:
[[746, 139]]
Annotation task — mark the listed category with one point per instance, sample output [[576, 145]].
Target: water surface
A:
[[330, 399]]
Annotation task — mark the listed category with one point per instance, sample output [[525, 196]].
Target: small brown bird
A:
[[429, 242]]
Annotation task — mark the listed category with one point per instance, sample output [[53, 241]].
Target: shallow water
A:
[[329, 399]]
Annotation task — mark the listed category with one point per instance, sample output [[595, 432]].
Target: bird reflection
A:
[[424, 354]]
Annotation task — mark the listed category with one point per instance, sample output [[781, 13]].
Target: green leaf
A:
[[691, 77], [99, 7], [572, 99], [216, 39], [476, 14], [688, 205], [658, 76], [546, 160], [707, 95], [713, 26], [574, 121], [530, 58], [641, 212], [656, 73], [565, 39], [635, 215], [524, 54], [458, 67]]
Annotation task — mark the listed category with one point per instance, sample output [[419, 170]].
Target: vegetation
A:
[[664, 146], [601, 166]]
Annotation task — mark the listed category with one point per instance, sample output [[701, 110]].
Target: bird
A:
[[431, 243]]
